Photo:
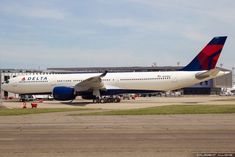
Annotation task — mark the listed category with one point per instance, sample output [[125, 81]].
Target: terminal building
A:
[[207, 87]]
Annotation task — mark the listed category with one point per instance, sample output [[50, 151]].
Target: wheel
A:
[[102, 100], [116, 100], [105, 100], [109, 100], [97, 100]]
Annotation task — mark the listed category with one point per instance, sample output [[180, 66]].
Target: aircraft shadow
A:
[[76, 103]]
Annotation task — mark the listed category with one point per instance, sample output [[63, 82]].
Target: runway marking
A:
[[6, 139]]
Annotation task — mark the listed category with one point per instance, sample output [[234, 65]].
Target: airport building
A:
[[208, 87]]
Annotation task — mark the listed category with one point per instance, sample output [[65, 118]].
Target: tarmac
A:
[[139, 102], [63, 135]]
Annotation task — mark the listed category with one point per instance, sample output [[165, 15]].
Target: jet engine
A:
[[63, 93]]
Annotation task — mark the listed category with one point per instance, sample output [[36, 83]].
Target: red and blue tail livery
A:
[[208, 57]]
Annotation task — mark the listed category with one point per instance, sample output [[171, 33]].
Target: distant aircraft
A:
[[95, 85]]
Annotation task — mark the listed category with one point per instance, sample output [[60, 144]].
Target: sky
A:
[[100, 33]]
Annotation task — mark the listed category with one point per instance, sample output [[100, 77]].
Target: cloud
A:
[[195, 35], [134, 24], [78, 33], [69, 57], [219, 10], [33, 12]]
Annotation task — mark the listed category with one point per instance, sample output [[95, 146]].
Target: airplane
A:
[[65, 87]]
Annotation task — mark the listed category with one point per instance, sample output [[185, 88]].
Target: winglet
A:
[[103, 74], [208, 57]]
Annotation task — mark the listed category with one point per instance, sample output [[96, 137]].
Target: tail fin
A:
[[208, 57]]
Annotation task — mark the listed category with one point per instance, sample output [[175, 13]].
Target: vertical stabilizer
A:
[[208, 56]]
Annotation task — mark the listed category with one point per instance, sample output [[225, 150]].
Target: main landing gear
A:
[[107, 99]]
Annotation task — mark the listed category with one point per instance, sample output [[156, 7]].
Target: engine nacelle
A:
[[63, 93]]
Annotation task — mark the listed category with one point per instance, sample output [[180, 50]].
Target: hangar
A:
[[208, 87]]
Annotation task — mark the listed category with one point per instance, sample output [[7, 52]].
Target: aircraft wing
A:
[[92, 83]]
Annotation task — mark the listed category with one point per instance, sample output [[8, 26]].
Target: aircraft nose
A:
[[4, 86]]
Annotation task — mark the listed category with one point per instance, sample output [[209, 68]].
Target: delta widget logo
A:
[[39, 78]]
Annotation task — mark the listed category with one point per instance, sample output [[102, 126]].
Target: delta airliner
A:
[[96, 85]]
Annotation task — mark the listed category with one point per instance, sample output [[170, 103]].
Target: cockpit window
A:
[[5, 82]]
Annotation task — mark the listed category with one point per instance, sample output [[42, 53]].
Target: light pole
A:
[[178, 63], [154, 64]]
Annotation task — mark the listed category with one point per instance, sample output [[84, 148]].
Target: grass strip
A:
[[14, 112], [171, 109]]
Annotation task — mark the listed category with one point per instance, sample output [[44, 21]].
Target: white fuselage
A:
[[162, 81]]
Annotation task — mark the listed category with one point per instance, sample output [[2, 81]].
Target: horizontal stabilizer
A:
[[211, 73]]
